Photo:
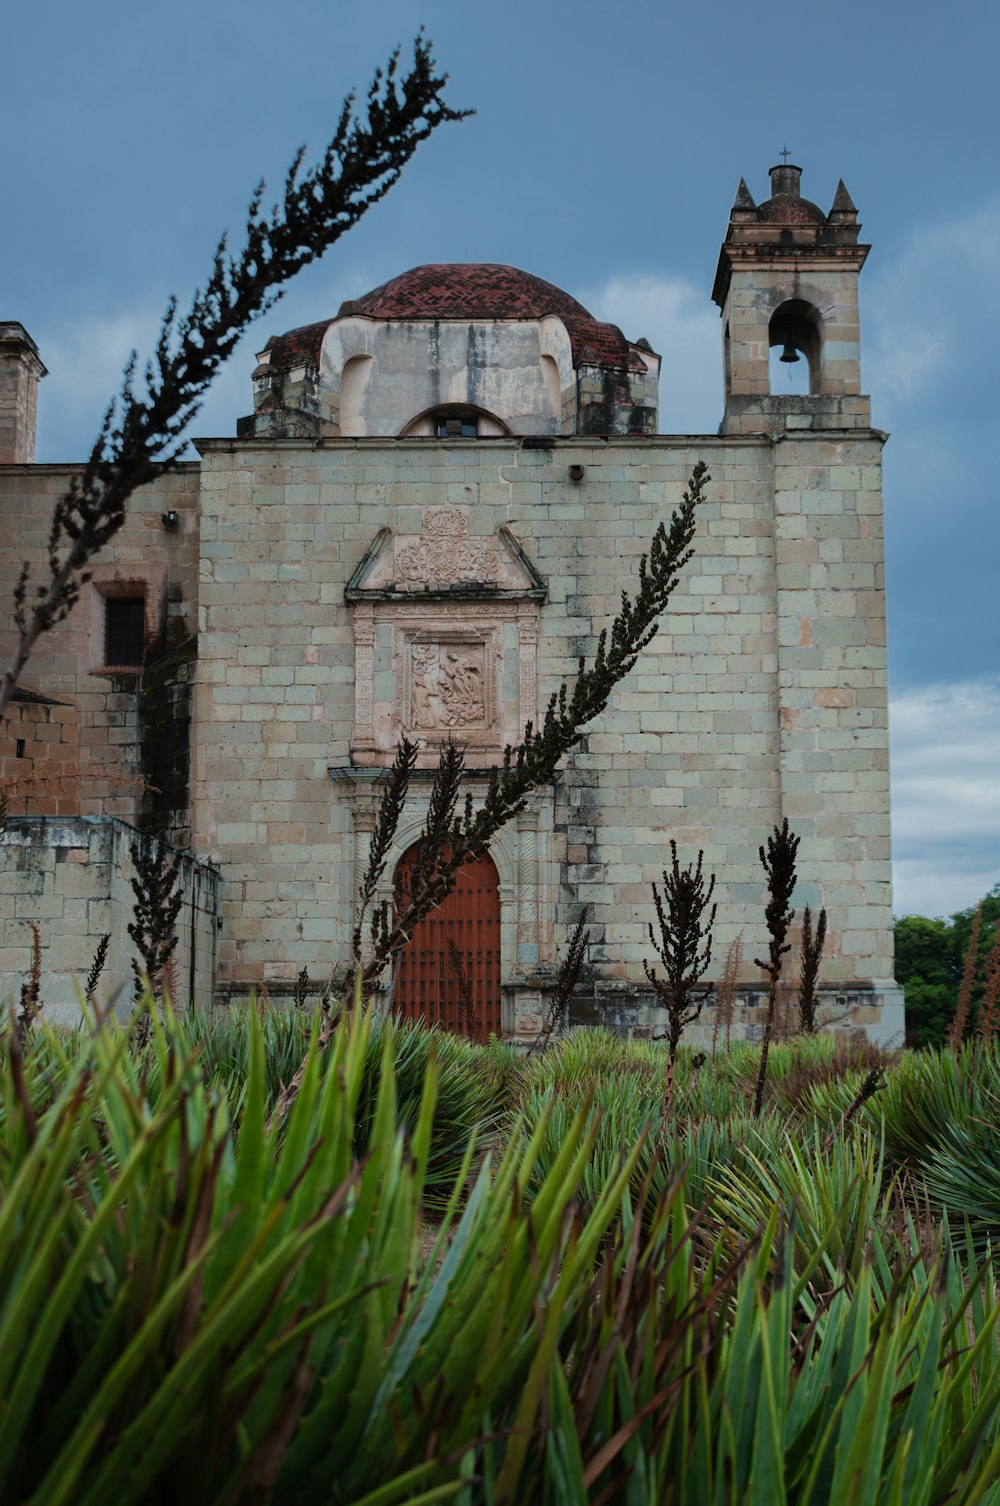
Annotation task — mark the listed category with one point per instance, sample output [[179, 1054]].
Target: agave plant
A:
[[833, 1187], [202, 1300], [151, 1308], [187, 1313], [689, 1380]]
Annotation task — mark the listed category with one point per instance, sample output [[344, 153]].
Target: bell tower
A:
[[21, 370], [788, 277]]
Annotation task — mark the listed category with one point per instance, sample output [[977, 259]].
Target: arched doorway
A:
[[456, 986]]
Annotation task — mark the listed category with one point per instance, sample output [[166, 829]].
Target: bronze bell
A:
[[789, 354]]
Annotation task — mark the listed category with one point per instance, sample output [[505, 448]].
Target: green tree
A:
[[929, 958]]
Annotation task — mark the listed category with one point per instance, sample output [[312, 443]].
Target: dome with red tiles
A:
[[790, 209], [470, 291]]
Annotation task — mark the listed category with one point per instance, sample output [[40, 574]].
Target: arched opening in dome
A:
[[796, 328], [455, 421], [354, 380]]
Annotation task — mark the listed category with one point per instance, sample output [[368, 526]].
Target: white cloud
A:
[[672, 315], [920, 313], [85, 363], [904, 358], [86, 358], [945, 795]]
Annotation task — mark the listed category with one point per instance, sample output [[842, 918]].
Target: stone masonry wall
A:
[[72, 878], [67, 663], [39, 757], [762, 695], [879, 1012]]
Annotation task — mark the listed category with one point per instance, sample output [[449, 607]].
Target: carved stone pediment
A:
[[444, 558], [444, 554], [445, 634]]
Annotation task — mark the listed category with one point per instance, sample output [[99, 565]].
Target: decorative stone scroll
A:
[[444, 554]]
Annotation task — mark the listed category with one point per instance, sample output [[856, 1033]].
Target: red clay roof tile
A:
[[469, 291]]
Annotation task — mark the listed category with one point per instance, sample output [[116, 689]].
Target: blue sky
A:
[[604, 156]]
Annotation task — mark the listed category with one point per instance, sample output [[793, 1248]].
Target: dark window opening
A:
[[125, 630], [454, 421], [456, 428], [19, 748]]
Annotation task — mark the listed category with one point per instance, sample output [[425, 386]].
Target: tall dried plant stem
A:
[[157, 904], [778, 862], [812, 953], [97, 966], [330, 1021], [669, 1069], [466, 1005], [569, 976], [784, 1024], [873, 1080], [989, 1009], [956, 1030], [453, 834], [682, 941], [725, 998], [141, 435]]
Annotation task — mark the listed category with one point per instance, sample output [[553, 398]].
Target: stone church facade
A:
[[429, 516]]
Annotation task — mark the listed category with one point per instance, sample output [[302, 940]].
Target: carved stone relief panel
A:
[[445, 641], [443, 556], [448, 685], [456, 670]]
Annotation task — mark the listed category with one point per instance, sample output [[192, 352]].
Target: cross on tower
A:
[[784, 154]]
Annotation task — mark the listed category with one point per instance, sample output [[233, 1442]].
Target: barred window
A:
[[125, 630]]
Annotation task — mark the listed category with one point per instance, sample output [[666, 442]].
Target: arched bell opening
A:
[[795, 337], [448, 974]]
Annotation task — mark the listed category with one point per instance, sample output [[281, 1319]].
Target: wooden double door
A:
[[449, 973]]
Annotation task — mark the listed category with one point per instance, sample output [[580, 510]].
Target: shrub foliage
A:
[[616, 1300]]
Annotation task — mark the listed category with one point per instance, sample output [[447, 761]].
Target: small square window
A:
[[456, 428], [124, 630]]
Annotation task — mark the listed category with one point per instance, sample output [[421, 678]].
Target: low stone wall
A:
[[877, 1011], [72, 878]]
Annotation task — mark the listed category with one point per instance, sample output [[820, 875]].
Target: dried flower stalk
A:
[[141, 436], [812, 953], [956, 1030], [778, 862], [569, 976], [725, 998]]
